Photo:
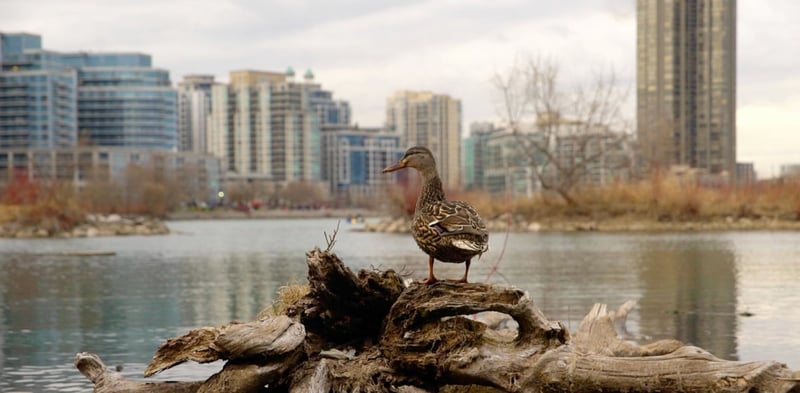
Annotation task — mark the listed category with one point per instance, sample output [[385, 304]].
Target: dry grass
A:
[[57, 206], [656, 199], [287, 296], [671, 200]]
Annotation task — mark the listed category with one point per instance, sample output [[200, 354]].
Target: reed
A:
[[656, 198]]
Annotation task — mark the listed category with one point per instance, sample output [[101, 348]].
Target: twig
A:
[[331, 240]]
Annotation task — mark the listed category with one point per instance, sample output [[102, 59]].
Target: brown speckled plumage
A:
[[450, 231]]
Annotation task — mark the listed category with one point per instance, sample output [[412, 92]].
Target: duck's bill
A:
[[395, 167]]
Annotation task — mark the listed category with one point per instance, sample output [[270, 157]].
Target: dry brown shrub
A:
[[659, 197], [287, 296]]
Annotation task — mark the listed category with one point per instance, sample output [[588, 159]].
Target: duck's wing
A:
[[454, 217]]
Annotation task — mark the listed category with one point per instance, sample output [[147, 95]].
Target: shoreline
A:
[[373, 221], [95, 225], [270, 213], [610, 225]]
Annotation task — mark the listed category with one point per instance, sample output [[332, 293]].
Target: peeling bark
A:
[[266, 338], [366, 332]]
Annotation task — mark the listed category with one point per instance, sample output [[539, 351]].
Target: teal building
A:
[[51, 99]]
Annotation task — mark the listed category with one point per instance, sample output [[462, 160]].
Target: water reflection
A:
[[689, 292]]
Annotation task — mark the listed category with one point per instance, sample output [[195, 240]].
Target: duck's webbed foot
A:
[[429, 281]]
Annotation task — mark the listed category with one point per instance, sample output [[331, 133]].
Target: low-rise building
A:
[[353, 159]]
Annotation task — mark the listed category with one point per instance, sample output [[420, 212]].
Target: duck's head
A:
[[417, 157]]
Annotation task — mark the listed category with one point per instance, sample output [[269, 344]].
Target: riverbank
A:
[[97, 225], [230, 214], [94, 225], [615, 224]]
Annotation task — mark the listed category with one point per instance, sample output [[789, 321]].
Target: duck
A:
[[448, 231]]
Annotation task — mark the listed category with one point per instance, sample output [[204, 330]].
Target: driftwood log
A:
[[368, 332]]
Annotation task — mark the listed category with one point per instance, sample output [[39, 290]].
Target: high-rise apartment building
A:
[[123, 101], [431, 120], [686, 83], [266, 125], [333, 114], [194, 106], [295, 124], [38, 105], [51, 99], [240, 123]]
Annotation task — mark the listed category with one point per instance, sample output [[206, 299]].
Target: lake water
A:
[[696, 287]]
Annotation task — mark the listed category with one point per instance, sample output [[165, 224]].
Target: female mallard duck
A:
[[450, 231]]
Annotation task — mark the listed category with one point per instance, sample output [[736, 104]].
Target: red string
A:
[[496, 264]]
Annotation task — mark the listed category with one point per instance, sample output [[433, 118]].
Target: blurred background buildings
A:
[[81, 116]]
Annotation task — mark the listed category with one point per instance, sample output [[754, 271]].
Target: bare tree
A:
[[570, 132], [240, 191], [150, 189], [300, 193]]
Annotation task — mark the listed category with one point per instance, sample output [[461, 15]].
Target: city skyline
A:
[[365, 51]]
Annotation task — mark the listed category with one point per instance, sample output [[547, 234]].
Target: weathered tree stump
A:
[[367, 332]]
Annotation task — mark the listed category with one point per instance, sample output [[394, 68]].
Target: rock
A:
[[534, 227]]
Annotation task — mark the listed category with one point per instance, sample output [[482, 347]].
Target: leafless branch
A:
[[331, 240], [570, 132]]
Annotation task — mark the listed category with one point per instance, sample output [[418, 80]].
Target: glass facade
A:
[[38, 109], [130, 107], [52, 99], [354, 159]]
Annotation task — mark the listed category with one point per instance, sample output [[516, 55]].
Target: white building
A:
[[431, 120]]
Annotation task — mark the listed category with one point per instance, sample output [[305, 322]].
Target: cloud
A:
[[770, 136]]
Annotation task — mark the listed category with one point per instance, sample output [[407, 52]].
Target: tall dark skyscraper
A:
[[686, 83]]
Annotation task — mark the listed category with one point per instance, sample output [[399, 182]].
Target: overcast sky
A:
[[364, 50]]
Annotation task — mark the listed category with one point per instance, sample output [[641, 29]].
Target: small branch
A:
[[331, 240]]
